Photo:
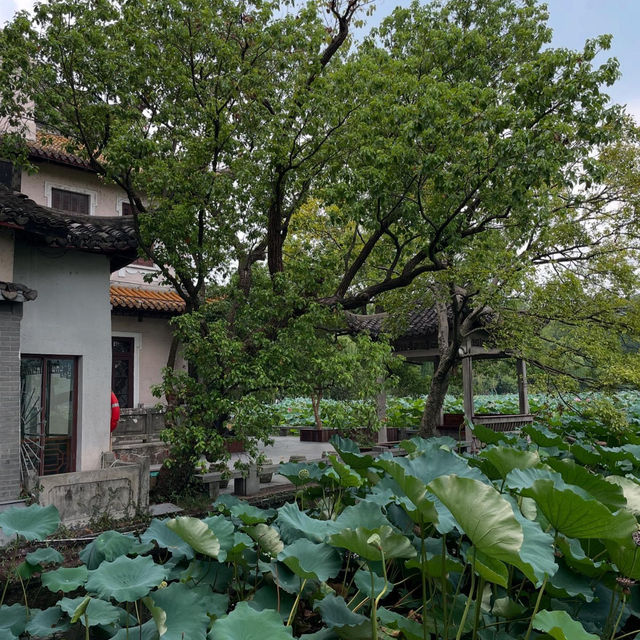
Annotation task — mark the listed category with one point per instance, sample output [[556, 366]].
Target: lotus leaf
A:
[[368, 542], [225, 501], [505, 459], [489, 436], [109, 546], [363, 514], [97, 612], [45, 555], [337, 615], [167, 539], [294, 523], [25, 569], [268, 538], [47, 622], [158, 615], [248, 514], [507, 608], [196, 534], [301, 473], [630, 489], [323, 634], [186, 617], [434, 566], [350, 452], [268, 598], [609, 494], [310, 560], [489, 568], [560, 625], [568, 584], [223, 529], [625, 554], [147, 631], [578, 515], [576, 558], [410, 629], [344, 474], [483, 514], [32, 523], [362, 580], [544, 437], [245, 623], [5, 634], [426, 445], [13, 618], [126, 579], [64, 579]]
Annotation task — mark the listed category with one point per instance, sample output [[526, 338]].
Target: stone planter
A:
[[265, 478], [311, 434]]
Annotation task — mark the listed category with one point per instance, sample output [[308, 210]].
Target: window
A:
[[122, 369], [126, 208], [6, 174], [70, 201]]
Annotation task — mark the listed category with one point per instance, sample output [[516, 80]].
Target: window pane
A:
[[30, 395], [70, 201], [59, 401], [126, 209]]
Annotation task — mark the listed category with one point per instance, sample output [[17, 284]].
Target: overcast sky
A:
[[573, 21]]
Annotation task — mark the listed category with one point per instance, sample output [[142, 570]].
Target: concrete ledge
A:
[[117, 492]]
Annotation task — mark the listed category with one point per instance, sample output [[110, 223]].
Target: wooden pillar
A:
[[381, 411], [523, 392], [467, 388], [436, 364]]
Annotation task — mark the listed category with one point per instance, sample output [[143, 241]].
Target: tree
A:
[[448, 127]]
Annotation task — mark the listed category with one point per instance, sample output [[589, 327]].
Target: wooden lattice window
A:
[[70, 201]]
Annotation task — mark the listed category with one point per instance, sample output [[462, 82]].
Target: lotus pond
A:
[[534, 537]]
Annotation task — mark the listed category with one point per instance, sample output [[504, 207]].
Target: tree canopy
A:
[[283, 171]]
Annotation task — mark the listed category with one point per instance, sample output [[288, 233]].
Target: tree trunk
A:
[[437, 392], [315, 405]]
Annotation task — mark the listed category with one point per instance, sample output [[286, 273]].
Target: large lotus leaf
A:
[[409, 629], [13, 618], [223, 529], [345, 475], [310, 560], [618, 456], [293, 524], [505, 459], [350, 453], [367, 543], [64, 579], [147, 631], [267, 537], [566, 583], [483, 514], [126, 579], [5, 634], [626, 556], [158, 615], [491, 569], [536, 558], [248, 514], [507, 608], [32, 523], [560, 625], [362, 580], [426, 445], [586, 454], [47, 622], [196, 534], [90, 611], [167, 539], [245, 623], [241, 543], [109, 546], [322, 634], [268, 597], [207, 572], [301, 473], [186, 613], [489, 436], [435, 565], [544, 437], [518, 479], [418, 504], [609, 494], [575, 558], [630, 489], [578, 515], [283, 576], [337, 615], [363, 514], [225, 501], [45, 555]]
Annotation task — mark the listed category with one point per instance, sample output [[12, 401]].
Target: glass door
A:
[[48, 408]]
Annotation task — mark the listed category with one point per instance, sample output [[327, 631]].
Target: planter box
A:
[[316, 435]]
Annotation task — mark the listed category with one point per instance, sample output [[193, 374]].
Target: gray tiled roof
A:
[[113, 236], [421, 322]]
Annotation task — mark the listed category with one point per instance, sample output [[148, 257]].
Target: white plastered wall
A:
[[106, 199], [152, 340], [71, 317]]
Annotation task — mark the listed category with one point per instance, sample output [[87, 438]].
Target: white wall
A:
[[71, 317], [106, 199], [152, 337]]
